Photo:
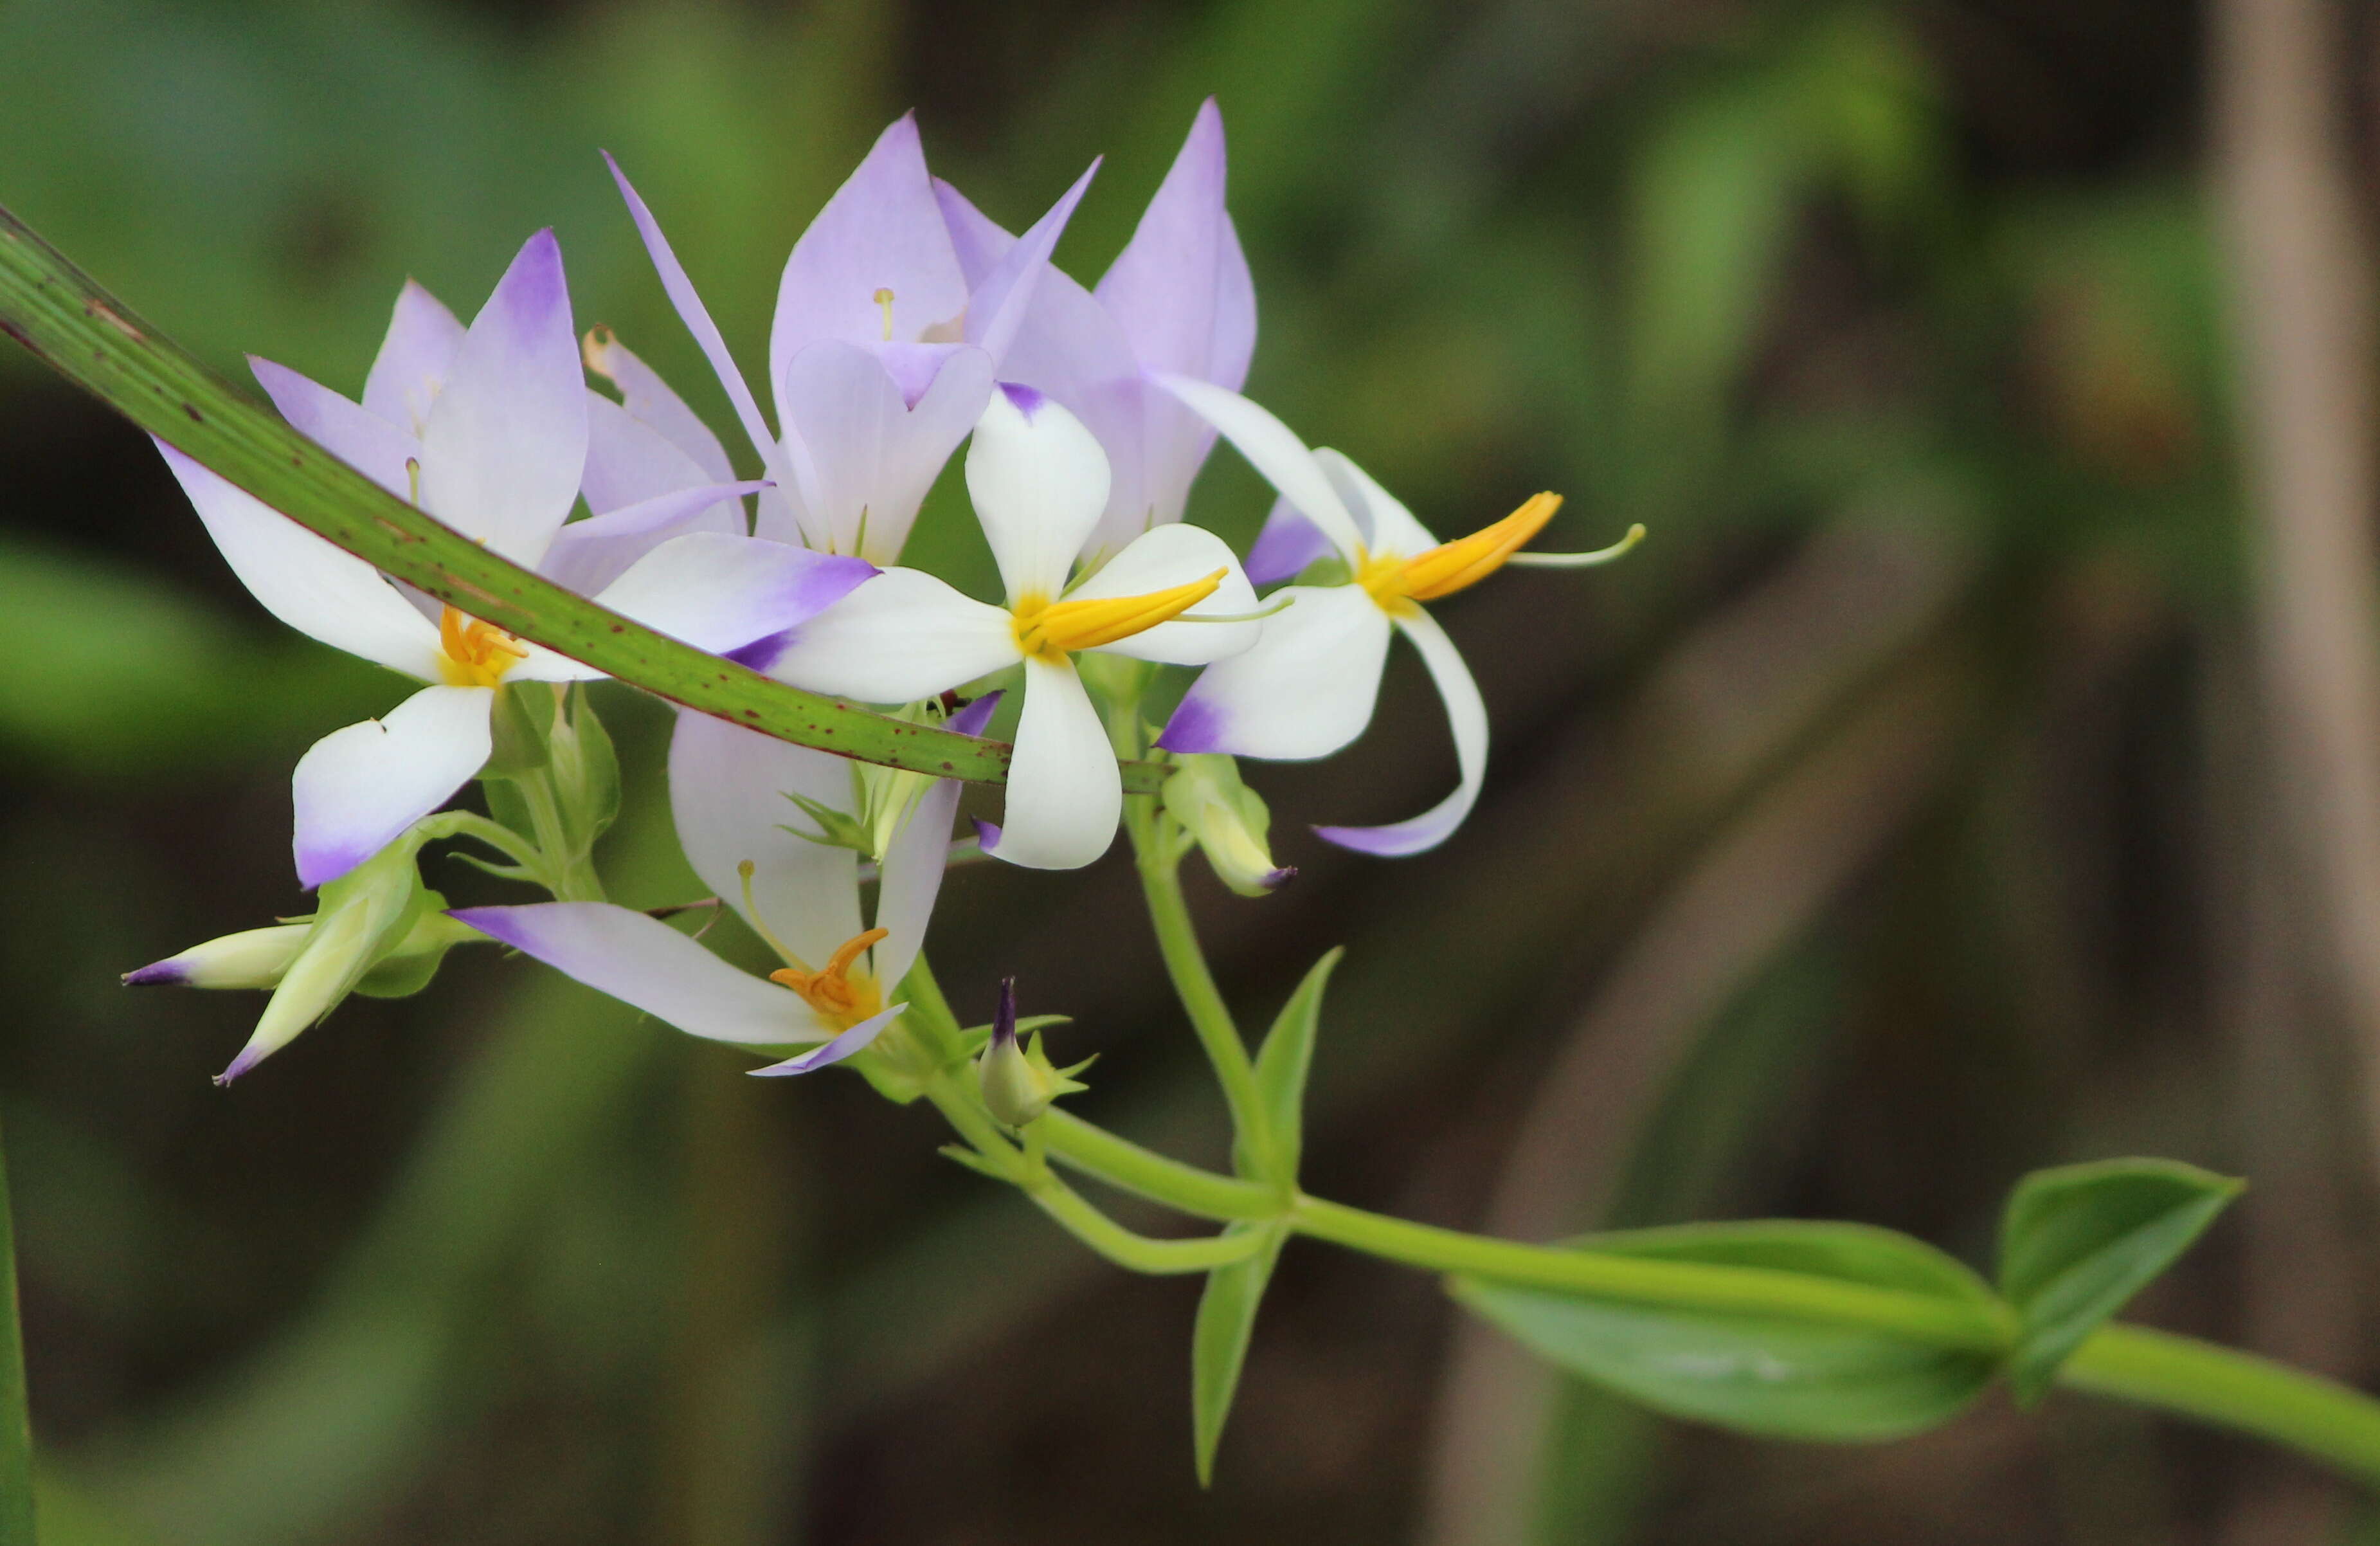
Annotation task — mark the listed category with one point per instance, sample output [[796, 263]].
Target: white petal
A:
[[912, 879], [856, 1039], [413, 361], [1064, 795], [1166, 557], [644, 962], [728, 789], [1387, 525], [507, 440], [321, 591], [1304, 690], [719, 592], [649, 400], [1272, 449], [542, 665], [358, 789], [900, 637], [1038, 480], [356, 435], [1468, 716]]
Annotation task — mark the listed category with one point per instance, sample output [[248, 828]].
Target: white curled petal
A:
[[354, 434], [319, 589], [1064, 795], [1039, 481], [1468, 716], [413, 361], [912, 879], [1165, 558], [853, 1041], [719, 592], [899, 638], [1304, 690], [1275, 451], [507, 440], [645, 963], [1387, 525], [358, 789], [729, 790]]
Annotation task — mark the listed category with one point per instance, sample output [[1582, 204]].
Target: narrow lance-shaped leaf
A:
[[94, 339], [1219, 1345], [1758, 1373], [2081, 1240], [1282, 1064]]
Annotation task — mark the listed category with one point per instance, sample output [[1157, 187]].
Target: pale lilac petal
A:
[[1162, 559], [878, 453], [413, 361], [855, 1040], [912, 877], [1304, 690], [998, 307], [788, 463], [507, 440], [1064, 795], [590, 555], [728, 793], [902, 637], [1468, 716], [358, 789], [628, 461], [1040, 482], [1181, 287], [1390, 529], [882, 231], [1286, 545], [645, 963], [1276, 452], [977, 240], [719, 592], [649, 400], [315, 588], [356, 436]]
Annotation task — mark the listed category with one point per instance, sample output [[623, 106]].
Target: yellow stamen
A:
[[1449, 566], [884, 298], [1052, 630], [472, 653], [842, 997]]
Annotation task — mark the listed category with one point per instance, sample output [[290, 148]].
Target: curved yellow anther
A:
[[1051, 630], [472, 653], [842, 997], [1449, 566]]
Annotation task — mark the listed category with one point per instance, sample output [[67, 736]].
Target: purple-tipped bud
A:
[[1229, 821], [252, 958], [1018, 1082], [1003, 1016]]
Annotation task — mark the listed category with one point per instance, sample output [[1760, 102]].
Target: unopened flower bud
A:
[[1230, 822], [252, 958], [1018, 1082]]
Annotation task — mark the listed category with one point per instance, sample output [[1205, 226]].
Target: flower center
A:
[[472, 653], [1397, 582], [1052, 630], [841, 996]]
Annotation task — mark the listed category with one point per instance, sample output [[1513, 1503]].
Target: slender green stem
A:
[[2232, 1389], [1127, 1166], [1138, 1252], [16, 1425], [495, 835], [569, 871], [1177, 942]]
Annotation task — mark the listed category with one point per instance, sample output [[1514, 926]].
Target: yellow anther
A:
[[595, 348], [884, 298], [472, 653], [1054, 629], [1449, 566], [842, 997]]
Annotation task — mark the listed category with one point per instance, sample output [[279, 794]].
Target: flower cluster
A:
[[907, 323]]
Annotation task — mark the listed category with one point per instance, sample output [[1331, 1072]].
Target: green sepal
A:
[[519, 723], [1762, 1373], [408, 968], [585, 771], [1218, 1343], [1283, 1065], [973, 1162], [836, 829], [2079, 1241], [974, 1038], [506, 806]]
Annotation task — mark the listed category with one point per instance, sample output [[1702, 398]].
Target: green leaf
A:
[[1282, 1064], [1754, 1373], [2081, 1240], [519, 724], [1219, 1345]]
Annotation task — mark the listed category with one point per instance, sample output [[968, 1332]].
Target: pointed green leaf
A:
[[1756, 1373], [1282, 1064], [1219, 1346], [2081, 1240]]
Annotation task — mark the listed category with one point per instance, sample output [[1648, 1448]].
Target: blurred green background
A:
[[1884, 828]]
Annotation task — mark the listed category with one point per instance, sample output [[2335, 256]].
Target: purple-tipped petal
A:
[[357, 789], [998, 308], [1280, 877], [1306, 690], [987, 833], [971, 720], [1198, 724], [414, 359], [1181, 287], [1004, 1014], [507, 440], [717, 591], [359, 437], [588, 554], [855, 1040], [1286, 545], [158, 974], [882, 231], [1468, 716]]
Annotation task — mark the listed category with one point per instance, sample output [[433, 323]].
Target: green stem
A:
[[569, 871], [16, 1425], [1127, 1167], [1138, 1253], [2231, 1389], [1177, 942]]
